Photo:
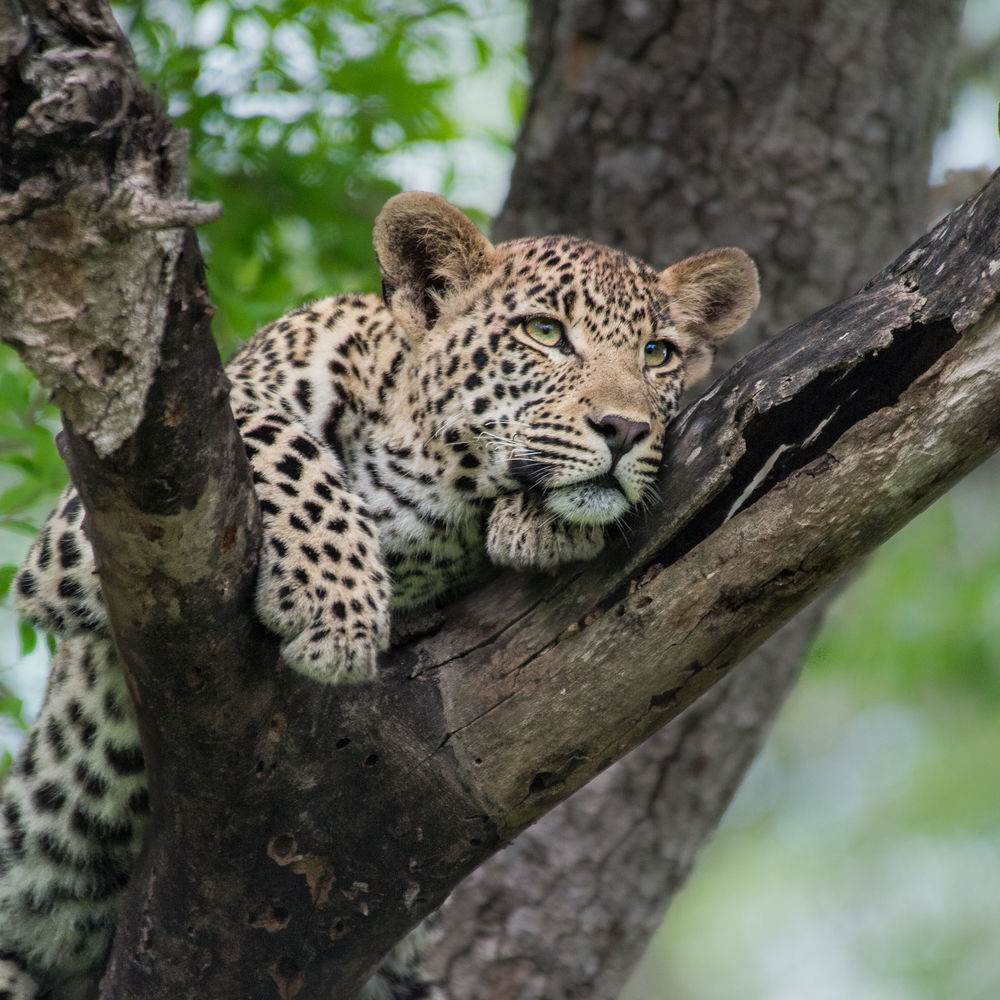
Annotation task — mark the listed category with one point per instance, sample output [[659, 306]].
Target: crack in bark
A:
[[475, 719], [492, 638], [833, 402]]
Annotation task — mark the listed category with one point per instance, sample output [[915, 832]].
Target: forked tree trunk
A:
[[801, 132]]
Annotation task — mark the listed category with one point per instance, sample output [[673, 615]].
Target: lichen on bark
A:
[[93, 186]]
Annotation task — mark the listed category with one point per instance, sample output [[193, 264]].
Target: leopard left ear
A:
[[711, 296], [428, 251]]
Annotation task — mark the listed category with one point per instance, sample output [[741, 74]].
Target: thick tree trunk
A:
[[342, 816], [802, 133]]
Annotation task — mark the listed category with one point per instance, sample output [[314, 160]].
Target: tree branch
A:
[[807, 455]]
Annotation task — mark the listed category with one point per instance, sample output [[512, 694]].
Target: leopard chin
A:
[[596, 501]]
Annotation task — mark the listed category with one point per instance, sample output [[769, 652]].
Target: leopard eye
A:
[[657, 353], [546, 331]]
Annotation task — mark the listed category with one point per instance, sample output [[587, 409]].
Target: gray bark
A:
[[802, 133], [93, 184]]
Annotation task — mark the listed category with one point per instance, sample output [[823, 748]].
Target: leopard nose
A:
[[620, 433]]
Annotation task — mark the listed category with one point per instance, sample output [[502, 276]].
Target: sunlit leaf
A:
[[29, 638], [7, 574]]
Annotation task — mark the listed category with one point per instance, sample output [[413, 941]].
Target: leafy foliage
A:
[[300, 116], [31, 476], [28, 455]]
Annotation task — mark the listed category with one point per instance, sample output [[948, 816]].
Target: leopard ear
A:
[[428, 251], [711, 296]]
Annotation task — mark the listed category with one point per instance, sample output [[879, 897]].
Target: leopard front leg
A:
[[522, 534], [57, 587], [321, 584]]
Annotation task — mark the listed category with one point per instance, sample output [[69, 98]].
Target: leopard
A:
[[498, 406]]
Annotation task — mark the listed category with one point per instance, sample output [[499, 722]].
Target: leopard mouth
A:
[[594, 501]]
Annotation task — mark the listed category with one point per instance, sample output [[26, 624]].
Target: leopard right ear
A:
[[428, 251]]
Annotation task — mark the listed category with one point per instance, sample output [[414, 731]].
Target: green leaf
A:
[[29, 638], [7, 574], [19, 526], [20, 496], [12, 708]]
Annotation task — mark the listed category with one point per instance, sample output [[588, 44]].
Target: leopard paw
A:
[[333, 625], [335, 655], [15, 983], [522, 535]]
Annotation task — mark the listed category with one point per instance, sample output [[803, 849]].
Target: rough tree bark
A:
[[319, 824], [802, 133]]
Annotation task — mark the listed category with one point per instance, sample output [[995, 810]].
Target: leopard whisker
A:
[[448, 423]]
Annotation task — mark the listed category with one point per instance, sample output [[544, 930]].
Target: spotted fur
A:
[[499, 405]]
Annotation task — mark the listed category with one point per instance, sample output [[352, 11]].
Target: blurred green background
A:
[[862, 856]]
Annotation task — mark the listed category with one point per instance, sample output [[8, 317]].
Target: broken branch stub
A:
[[93, 186]]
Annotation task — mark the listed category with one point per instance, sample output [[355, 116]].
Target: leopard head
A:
[[551, 367]]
